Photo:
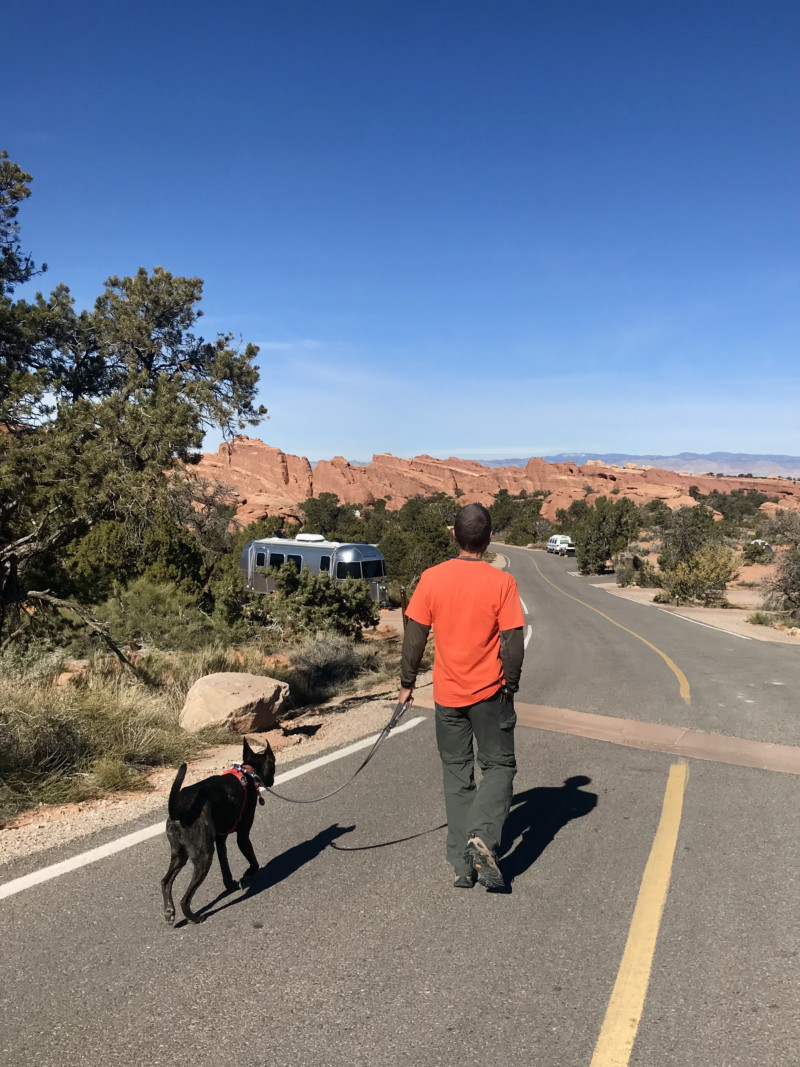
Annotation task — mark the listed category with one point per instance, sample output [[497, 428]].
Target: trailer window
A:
[[325, 563], [297, 560], [348, 570], [374, 568], [276, 559], [261, 559]]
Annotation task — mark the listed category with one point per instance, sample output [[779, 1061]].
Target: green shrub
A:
[[633, 570], [604, 531], [309, 603], [703, 576], [753, 553], [159, 615], [761, 618], [687, 531]]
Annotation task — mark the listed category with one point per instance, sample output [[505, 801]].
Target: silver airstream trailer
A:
[[313, 553]]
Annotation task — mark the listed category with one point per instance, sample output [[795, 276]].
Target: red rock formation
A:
[[267, 481]]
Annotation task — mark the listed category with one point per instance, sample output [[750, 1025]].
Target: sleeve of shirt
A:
[[510, 615], [418, 608]]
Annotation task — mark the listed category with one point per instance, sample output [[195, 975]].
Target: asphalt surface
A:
[[577, 659], [352, 947]]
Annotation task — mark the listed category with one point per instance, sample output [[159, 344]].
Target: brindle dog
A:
[[203, 815]]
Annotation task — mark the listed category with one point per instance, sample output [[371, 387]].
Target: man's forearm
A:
[[414, 641], [512, 652]]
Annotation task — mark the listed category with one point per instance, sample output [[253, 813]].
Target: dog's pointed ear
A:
[[257, 750]]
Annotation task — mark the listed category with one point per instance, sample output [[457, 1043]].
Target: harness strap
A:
[[243, 774]]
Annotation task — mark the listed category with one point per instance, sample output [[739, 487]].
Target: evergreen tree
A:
[[95, 407]]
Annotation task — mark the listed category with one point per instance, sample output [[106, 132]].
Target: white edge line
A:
[[708, 626], [524, 605], [82, 859], [527, 637]]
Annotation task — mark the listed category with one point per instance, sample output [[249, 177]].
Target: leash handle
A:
[[397, 715]]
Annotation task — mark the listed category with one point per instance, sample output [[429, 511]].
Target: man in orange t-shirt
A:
[[477, 621]]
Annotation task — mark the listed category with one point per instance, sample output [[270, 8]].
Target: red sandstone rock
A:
[[269, 482]]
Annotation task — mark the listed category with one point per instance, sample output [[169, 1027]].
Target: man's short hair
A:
[[473, 528]]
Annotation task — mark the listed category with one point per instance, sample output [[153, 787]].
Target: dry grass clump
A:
[[74, 743], [107, 728]]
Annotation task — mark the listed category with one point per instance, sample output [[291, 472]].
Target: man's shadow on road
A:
[[536, 817], [277, 869]]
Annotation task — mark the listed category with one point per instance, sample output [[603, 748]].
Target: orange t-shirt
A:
[[467, 602]]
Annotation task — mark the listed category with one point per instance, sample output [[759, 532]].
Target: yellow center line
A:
[[683, 682], [625, 1007]]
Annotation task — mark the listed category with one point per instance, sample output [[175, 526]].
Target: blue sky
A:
[[489, 228]]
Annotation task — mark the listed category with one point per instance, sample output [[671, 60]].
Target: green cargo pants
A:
[[484, 809]]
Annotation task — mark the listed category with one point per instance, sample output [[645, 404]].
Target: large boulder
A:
[[245, 703]]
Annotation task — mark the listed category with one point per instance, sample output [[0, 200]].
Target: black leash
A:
[[397, 715]]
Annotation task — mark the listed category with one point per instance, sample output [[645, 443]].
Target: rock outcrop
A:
[[266, 481], [244, 703]]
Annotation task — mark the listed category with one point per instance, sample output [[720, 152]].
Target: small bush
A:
[[324, 665], [753, 553], [703, 576], [311, 603], [157, 615], [635, 571], [761, 618]]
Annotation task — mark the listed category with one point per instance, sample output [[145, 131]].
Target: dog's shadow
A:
[[276, 870], [536, 817]]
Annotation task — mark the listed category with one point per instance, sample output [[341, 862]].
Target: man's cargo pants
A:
[[470, 810]]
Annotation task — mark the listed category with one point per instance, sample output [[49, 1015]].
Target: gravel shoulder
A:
[[329, 727]]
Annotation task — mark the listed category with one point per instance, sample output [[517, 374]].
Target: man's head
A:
[[473, 528]]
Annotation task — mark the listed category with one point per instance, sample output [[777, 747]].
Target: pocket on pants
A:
[[507, 717]]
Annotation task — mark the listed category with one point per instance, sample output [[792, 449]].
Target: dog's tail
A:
[[173, 793]]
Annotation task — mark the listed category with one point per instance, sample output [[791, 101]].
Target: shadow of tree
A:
[[536, 817]]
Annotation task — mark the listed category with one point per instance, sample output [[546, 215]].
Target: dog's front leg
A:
[[246, 849], [222, 855]]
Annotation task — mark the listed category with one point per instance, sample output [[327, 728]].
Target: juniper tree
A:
[[95, 407]]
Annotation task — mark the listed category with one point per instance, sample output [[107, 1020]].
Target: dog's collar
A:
[[248, 772], [243, 771]]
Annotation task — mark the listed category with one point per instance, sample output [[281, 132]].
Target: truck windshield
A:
[[374, 568]]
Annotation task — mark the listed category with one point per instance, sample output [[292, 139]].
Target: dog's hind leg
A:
[[246, 849], [222, 855], [201, 865], [176, 863]]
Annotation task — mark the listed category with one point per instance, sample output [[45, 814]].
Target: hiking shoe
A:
[[484, 863], [465, 881]]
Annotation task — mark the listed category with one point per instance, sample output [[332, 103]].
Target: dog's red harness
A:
[[242, 773]]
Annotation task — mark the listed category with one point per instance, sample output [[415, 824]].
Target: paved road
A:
[[579, 659], [354, 949]]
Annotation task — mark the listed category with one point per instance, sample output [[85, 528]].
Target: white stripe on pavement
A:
[[54, 870], [697, 622], [527, 637], [524, 606]]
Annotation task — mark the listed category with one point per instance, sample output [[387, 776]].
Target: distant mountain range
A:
[[732, 463]]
